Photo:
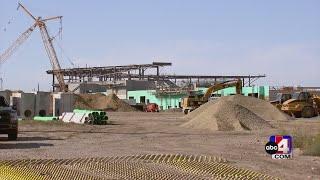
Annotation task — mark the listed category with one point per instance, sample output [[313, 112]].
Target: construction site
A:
[[134, 122]]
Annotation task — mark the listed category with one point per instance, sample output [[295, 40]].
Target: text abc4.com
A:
[[279, 147]]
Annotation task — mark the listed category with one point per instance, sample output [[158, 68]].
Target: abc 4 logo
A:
[[280, 147]]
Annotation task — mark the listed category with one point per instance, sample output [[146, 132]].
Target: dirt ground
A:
[[133, 133]]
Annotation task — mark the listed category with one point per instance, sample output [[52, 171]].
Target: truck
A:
[[8, 119], [302, 104], [152, 107], [193, 101]]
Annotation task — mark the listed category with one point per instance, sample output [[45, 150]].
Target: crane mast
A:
[[47, 41]]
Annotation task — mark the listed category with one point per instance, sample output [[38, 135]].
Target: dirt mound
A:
[[102, 102], [262, 108], [234, 113]]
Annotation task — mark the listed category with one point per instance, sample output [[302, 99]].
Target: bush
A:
[[309, 144], [313, 148]]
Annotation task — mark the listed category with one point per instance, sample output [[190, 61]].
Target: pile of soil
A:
[[234, 113], [262, 108], [102, 102]]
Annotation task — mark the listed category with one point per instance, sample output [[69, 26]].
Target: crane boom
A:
[[47, 41], [16, 44]]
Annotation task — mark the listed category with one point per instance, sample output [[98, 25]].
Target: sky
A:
[[206, 37]]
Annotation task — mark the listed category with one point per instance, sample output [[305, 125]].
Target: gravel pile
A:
[[102, 102], [262, 108], [234, 113]]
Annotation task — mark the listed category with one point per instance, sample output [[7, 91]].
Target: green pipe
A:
[[45, 118]]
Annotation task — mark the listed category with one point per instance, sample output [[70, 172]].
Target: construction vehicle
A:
[[152, 107], [8, 120], [302, 104], [280, 99], [47, 41], [194, 101]]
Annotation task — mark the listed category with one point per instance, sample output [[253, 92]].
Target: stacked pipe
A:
[[93, 117]]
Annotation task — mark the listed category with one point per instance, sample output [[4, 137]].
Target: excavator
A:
[[193, 101], [302, 104]]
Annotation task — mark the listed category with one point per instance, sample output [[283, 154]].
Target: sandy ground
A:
[[159, 133]]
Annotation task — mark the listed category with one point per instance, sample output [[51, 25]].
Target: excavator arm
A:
[[226, 84]]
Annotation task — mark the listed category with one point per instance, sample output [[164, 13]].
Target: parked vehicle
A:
[[302, 104], [8, 120], [152, 107]]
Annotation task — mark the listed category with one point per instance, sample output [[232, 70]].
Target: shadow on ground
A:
[[23, 145], [36, 138]]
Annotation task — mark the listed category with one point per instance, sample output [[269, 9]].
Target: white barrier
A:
[[78, 118]]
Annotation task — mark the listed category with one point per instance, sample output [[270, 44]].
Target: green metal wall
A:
[[172, 101], [263, 91], [164, 101]]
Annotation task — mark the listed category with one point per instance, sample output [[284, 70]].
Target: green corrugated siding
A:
[[164, 101], [263, 91], [172, 101]]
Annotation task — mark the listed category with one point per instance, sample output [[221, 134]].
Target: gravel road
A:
[[135, 133]]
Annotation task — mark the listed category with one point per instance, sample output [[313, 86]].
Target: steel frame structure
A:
[[138, 72]]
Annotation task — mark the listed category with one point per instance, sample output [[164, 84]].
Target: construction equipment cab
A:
[[193, 100], [302, 104], [280, 99], [8, 120]]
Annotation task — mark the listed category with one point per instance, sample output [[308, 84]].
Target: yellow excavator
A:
[[193, 101]]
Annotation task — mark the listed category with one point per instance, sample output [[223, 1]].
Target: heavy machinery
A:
[[194, 101], [8, 120], [302, 104], [47, 41], [280, 99]]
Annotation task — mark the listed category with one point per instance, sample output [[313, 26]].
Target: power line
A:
[[12, 19], [65, 54]]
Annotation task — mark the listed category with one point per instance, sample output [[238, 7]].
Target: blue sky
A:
[[277, 38]]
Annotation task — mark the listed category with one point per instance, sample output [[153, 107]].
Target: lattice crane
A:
[[47, 41]]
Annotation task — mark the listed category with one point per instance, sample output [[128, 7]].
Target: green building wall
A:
[[164, 101], [173, 101], [263, 91]]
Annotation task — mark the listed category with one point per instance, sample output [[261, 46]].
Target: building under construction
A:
[[139, 83], [144, 83], [115, 75]]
